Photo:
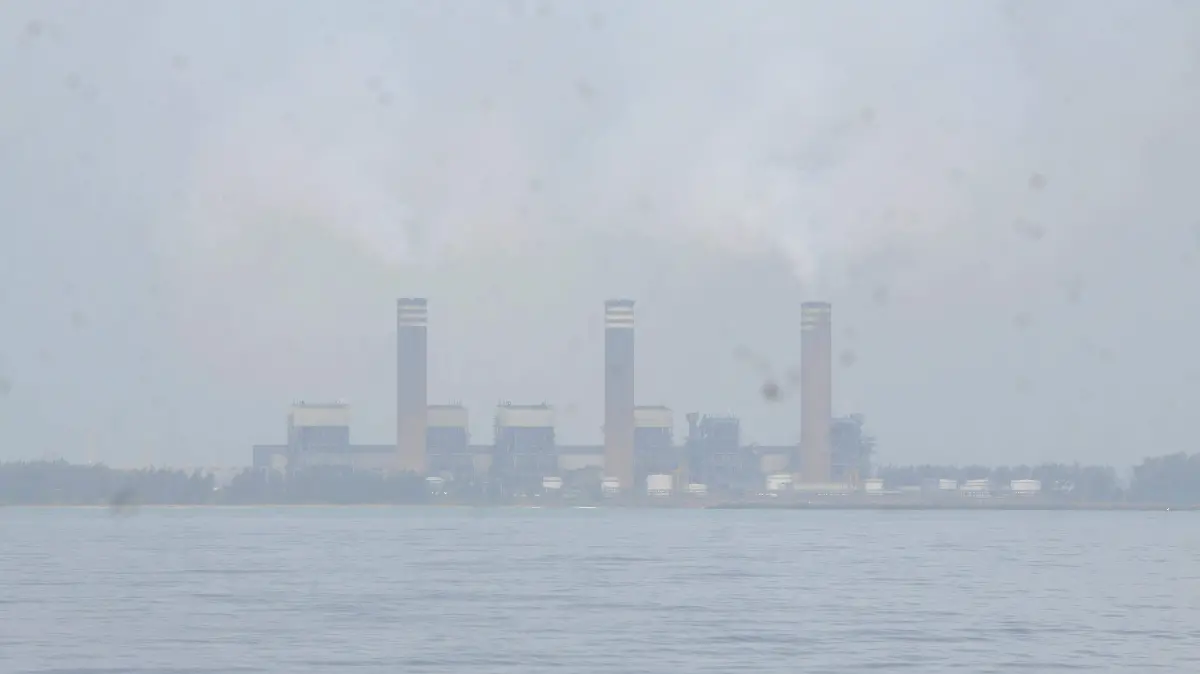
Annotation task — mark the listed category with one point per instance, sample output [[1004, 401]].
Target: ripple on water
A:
[[378, 590]]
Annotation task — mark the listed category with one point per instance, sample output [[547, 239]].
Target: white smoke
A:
[[716, 123], [940, 149], [825, 133]]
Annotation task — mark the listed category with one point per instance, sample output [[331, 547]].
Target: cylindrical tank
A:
[[979, 487], [435, 484], [873, 486], [659, 485], [779, 481], [696, 489], [610, 486], [1026, 486]]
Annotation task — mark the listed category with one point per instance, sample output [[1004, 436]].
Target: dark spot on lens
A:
[[1030, 230], [1074, 289], [848, 358], [124, 502], [880, 295]]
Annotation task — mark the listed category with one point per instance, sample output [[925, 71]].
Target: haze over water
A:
[[445, 591]]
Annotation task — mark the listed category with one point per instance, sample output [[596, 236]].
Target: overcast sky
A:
[[208, 209]]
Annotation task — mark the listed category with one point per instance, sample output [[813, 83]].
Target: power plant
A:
[[639, 454]]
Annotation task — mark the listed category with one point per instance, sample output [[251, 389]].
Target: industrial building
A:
[[448, 441], [654, 450], [715, 455], [850, 449], [639, 442], [524, 450]]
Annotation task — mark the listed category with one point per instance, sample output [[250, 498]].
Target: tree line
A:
[[62, 483], [1167, 479], [1076, 482]]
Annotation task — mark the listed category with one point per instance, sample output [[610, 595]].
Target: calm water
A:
[[446, 590]]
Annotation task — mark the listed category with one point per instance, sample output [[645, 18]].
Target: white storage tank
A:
[[1026, 487], [947, 485], [525, 416], [610, 486], [779, 482], [551, 483], [435, 484], [824, 488], [697, 489], [979, 487], [873, 486], [659, 485]]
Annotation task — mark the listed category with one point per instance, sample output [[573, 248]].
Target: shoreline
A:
[[729, 505], [959, 506]]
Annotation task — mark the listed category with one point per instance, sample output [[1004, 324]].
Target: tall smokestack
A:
[[816, 392], [411, 379], [618, 391]]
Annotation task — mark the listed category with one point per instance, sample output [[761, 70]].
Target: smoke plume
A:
[[519, 162]]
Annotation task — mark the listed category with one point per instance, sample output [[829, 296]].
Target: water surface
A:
[[441, 591]]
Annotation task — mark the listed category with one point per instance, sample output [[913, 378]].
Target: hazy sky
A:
[[207, 210]]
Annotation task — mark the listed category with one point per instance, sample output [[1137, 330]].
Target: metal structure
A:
[[412, 319], [654, 449], [314, 428], [715, 456], [816, 392], [525, 451], [851, 449], [619, 392], [448, 442]]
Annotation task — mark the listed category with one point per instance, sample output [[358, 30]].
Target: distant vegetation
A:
[[62, 483], [1174, 478], [1076, 482], [1170, 479]]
